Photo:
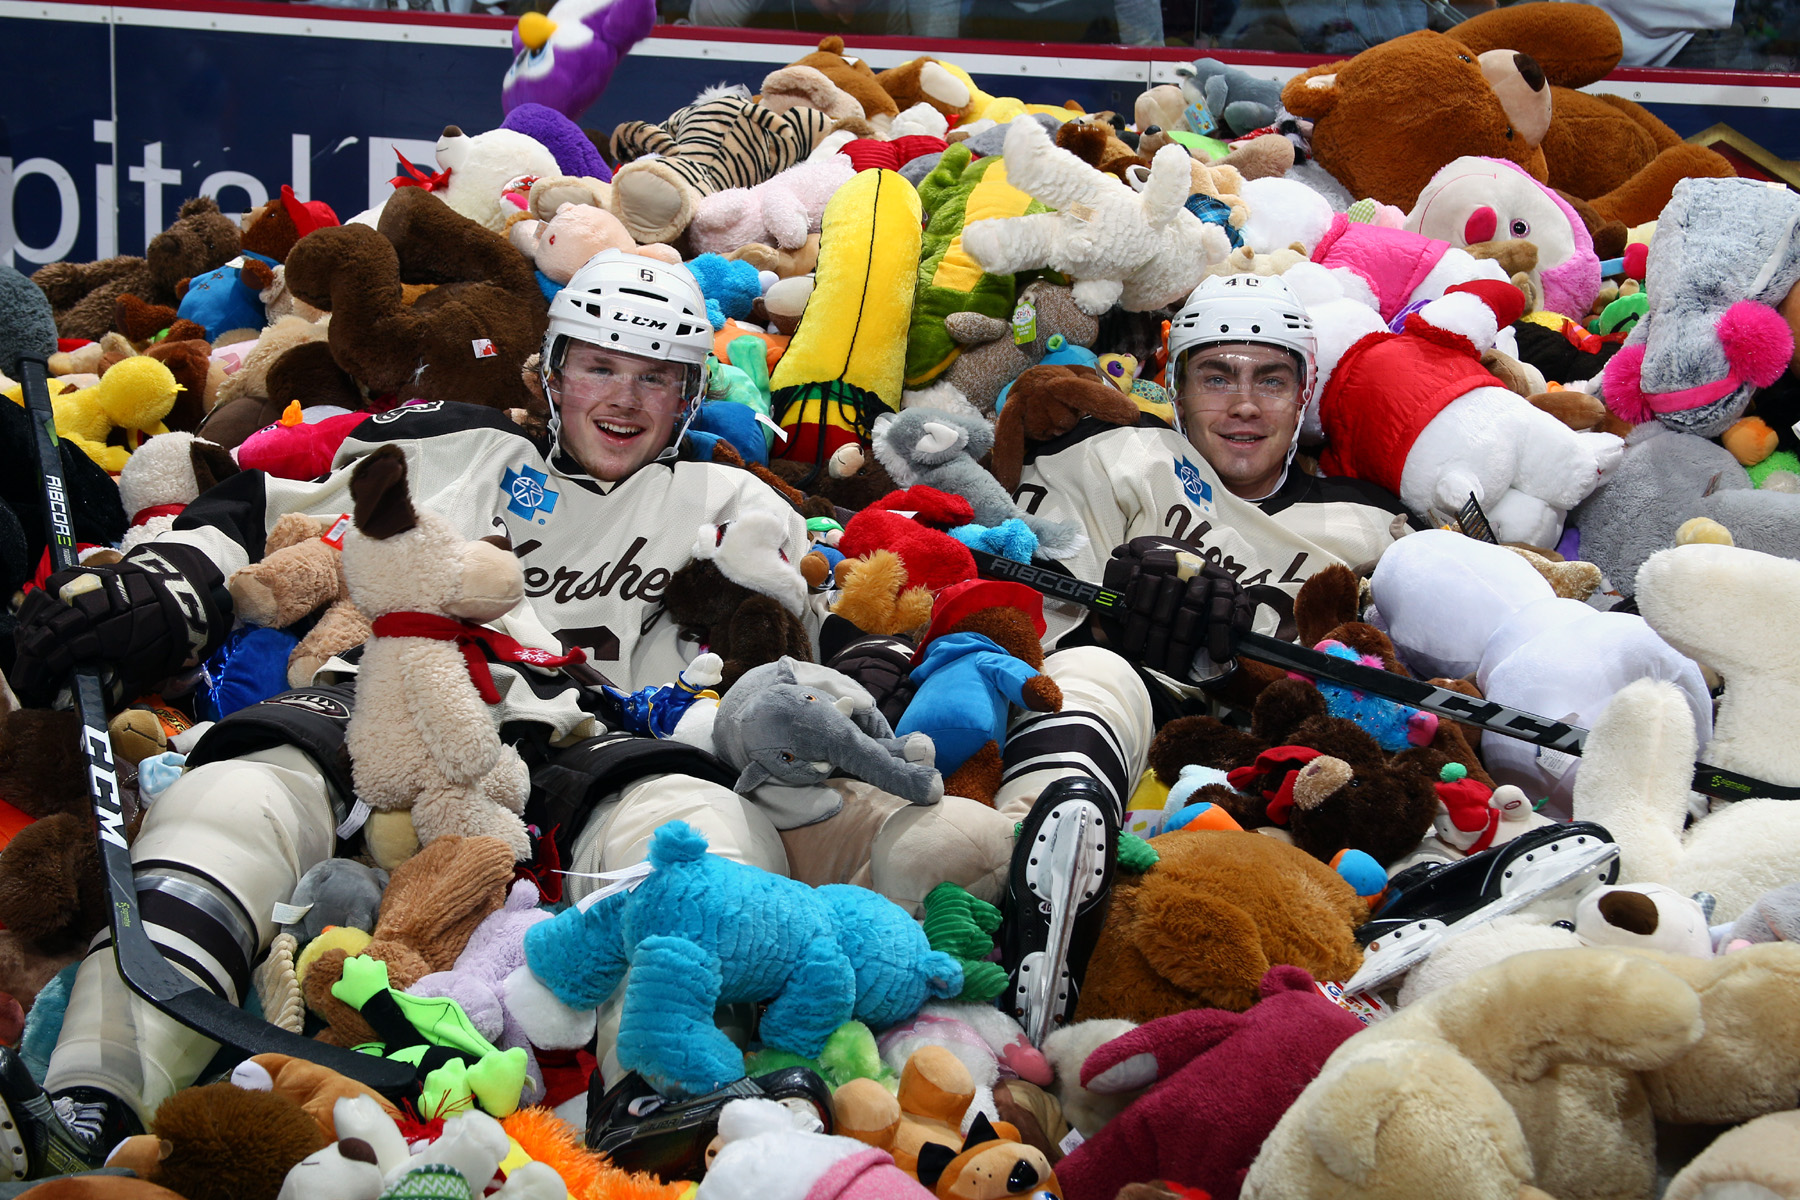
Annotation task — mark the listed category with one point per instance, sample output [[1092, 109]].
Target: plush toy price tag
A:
[[1069, 1143], [483, 348], [1199, 120], [1024, 323], [334, 536], [1364, 1006]]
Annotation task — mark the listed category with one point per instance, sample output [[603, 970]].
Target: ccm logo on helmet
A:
[[637, 319]]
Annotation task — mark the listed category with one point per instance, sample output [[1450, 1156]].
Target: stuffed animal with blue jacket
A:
[[699, 931], [980, 657]]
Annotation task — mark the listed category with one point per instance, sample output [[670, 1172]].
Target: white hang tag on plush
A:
[[1081, 212], [289, 914], [359, 816], [1069, 1143], [624, 879], [779, 431]]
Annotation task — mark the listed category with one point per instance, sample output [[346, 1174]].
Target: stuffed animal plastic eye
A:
[[1519, 227]]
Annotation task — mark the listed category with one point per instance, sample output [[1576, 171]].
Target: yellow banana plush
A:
[[845, 365]]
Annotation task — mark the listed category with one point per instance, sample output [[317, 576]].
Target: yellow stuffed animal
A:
[[134, 395]]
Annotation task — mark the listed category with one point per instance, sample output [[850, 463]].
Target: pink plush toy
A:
[[562, 245], [780, 212], [1218, 1082], [298, 448], [1475, 200]]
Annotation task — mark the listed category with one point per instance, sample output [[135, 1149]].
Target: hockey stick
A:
[[141, 965], [1485, 714]]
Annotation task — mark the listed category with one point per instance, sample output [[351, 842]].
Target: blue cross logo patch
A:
[[527, 495], [1192, 482]]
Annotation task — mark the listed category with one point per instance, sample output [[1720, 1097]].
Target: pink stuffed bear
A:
[[780, 212], [562, 245]]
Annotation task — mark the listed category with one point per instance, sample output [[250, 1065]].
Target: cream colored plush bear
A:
[[1142, 249], [1542, 1076], [1704, 599], [421, 737]]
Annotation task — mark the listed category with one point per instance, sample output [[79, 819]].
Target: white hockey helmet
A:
[[635, 305], [1243, 308]]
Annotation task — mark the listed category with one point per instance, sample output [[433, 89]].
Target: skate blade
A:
[[1066, 871], [1583, 866]]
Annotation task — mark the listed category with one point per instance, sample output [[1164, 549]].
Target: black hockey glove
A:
[[1182, 615], [161, 610]]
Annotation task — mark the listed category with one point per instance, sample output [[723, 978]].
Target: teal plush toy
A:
[[730, 287], [701, 930]]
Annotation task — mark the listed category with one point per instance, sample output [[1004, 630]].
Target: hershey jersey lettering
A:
[[566, 584]]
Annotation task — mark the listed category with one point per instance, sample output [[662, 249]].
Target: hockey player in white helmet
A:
[[1242, 368], [1222, 484], [600, 522], [624, 363]]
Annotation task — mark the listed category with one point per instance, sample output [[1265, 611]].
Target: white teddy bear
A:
[[1143, 250], [1417, 413]]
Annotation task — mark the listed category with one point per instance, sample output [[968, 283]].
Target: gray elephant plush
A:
[[1237, 100], [797, 724], [942, 449]]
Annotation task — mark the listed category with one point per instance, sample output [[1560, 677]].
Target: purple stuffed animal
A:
[[478, 980], [565, 58]]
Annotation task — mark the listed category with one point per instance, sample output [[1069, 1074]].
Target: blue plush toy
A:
[[1059, 351], [729, 285], [1394, 726], [1011, 538], [700, 931], [230, 297]]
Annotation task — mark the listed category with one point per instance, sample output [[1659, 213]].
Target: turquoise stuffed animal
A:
[[700, 931]]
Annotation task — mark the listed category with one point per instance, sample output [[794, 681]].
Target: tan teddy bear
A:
[[1543, 1075], [300, 573]]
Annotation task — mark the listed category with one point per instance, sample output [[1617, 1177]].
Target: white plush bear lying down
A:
[[1416, 412]]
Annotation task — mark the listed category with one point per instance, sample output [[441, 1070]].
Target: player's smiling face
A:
[[1240, 407], [618, 410]]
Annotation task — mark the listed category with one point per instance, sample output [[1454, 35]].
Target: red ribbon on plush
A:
[[431, 181], [1281, 798], [470, 638], [146, 515]]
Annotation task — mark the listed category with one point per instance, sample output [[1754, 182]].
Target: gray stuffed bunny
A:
[[793, 723], [942, 449]]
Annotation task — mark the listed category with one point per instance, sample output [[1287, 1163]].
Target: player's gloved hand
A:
[[160, 610], [1182, 615]]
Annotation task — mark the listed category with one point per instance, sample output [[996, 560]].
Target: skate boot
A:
[[1061, 878], [43, 1135], [642, 1131], [1431, 903]]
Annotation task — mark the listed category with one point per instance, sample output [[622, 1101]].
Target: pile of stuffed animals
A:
[[1620, 313]]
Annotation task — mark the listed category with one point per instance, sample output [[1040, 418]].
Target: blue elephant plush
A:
[[700, 931]]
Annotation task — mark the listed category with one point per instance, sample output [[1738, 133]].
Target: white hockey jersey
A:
[[596, 557], [1146, 480]]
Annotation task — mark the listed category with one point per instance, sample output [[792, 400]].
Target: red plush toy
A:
[[933, 558], [1218, 1082]]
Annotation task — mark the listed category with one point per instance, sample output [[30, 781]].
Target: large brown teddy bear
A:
[[465, 340], [1498, 86], [1202, 927], [82, 295]]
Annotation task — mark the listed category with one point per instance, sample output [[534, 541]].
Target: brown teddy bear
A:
[[1202, 927], [82, 295], [300, 573], [222, 1142], [52, 893], [1322, 777], [465, 340], [1489, 94], [851, 75], [255, 395], [743, 595], [1604, 149]]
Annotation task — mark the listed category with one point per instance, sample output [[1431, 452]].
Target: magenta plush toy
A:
[[564, 59], [1218, 1082]]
